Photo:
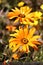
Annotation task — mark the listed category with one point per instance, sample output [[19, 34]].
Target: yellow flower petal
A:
[[31, 32], [35, 22], [41, 6], [33, 46], [12, 45], [26, 31], [37, 15], [11, 15], [11, 39], [13, 34], [36, 42], [20, 4], [17, 46], [35, 38], [17, 20], [24, 48]]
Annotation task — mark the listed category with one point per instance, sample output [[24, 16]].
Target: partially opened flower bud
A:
[[10, 27], [15, 56]]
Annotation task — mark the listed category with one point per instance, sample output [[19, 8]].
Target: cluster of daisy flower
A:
[[24, 35]]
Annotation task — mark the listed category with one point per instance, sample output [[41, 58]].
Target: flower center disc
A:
[[21, 15], [24, 40]]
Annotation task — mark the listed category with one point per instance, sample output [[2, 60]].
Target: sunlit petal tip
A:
[[33, 29], [41, 6], [36, 48], [10, 15], [35, 22], [16, 9], [20, 4], [11, 39], [11, 34]]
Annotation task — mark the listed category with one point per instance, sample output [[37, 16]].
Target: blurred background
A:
[[5, 7]]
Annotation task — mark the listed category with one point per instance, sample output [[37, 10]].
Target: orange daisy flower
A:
[[10, 27], [23, 38], [24, 15]]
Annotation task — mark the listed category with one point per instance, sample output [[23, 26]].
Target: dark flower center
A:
[[24, 40], [31, 20], [21, 15]]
